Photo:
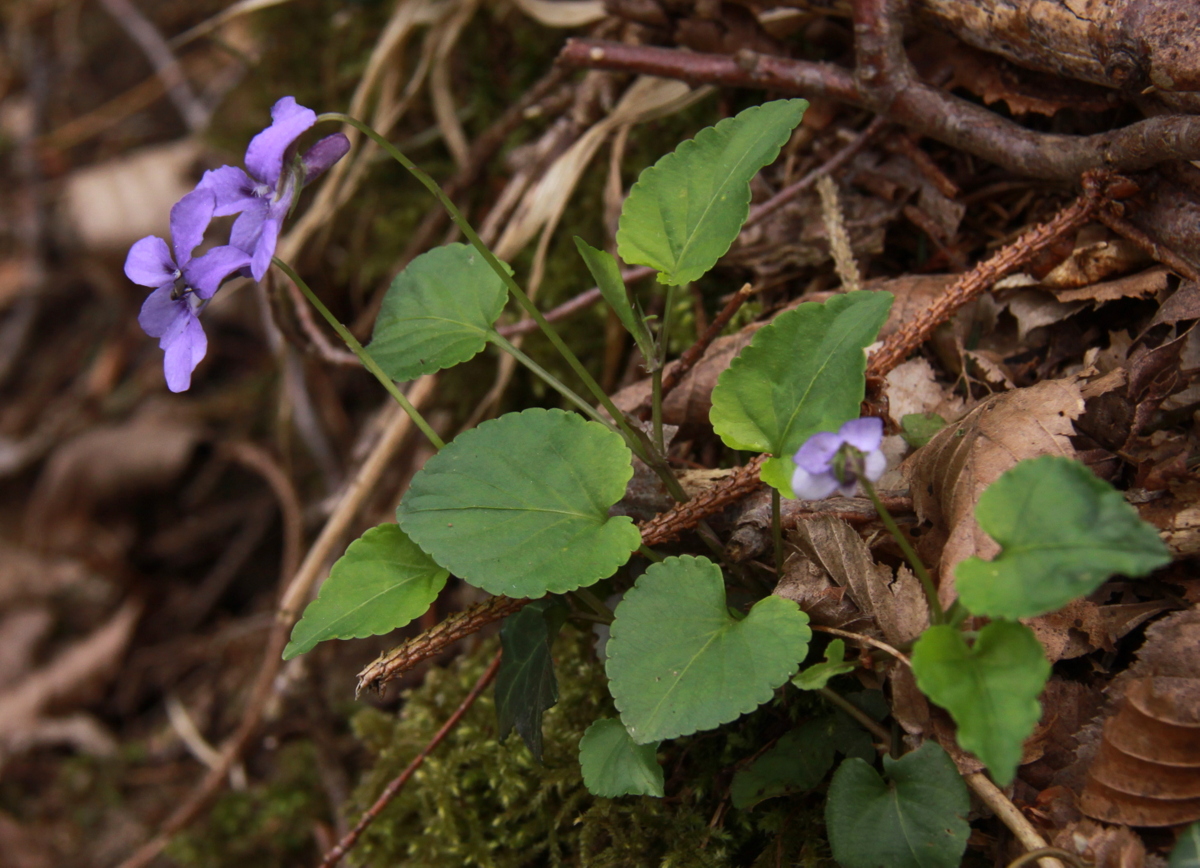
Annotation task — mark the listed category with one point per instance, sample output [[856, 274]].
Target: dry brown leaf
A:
[[1149, 282], [1146, 769], [1033, 309], [913, 387], [114, 203], [896, 603], [1103, 846], [77, 672], [23, 847], [1081, 626], [809, 585], [20, 632], [948, 475], [147, 452], [1098, 255]]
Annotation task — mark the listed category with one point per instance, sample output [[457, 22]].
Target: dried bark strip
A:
[[922, 108], [431, 643]]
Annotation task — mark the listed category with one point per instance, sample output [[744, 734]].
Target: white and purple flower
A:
[[263, 194], [182, 285], [824, 465]]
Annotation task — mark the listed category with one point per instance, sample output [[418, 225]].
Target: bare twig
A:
[[675, 373], [1159, 252], [393, 788], [1099, 189], [758, 212], [289, 609], [1003, 807], [142, 31], [924, 109], [867, 640], [580, 302]]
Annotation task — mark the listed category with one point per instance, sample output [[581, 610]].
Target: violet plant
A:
[[521, 505]]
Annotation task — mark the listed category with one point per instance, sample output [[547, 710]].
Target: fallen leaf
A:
[[1149, 282], [895, 602], [948, 474], [1146, 768]]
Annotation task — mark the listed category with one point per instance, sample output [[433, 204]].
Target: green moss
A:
[[268, 825], [478, 803]]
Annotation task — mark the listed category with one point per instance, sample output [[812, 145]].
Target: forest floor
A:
[[148, 537]]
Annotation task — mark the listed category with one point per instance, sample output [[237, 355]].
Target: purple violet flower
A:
[[182, 285], [822, 466], [263, 195]]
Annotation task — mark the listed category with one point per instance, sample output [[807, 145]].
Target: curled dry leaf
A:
[[78, 671], [948, 474], [895, 601], [1146, 770], [145, 453]]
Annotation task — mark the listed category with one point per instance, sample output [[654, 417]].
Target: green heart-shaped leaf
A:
[[613, 765], [798, 761], [803, 373], [819, 674], [990, 689], [914, 819], [380, 584], [519, 505], [678, 662], [437, 312], [1063, 532], [686, 209]]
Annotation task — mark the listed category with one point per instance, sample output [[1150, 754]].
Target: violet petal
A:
[[817, 453], [184, 353], [874, 465], [863, 434], [264, 157], [812, 486], [247, 228], [324, 154], [149, 262], [159, 312], [232, 188], [205, 273], [265, 248], [190, 217]]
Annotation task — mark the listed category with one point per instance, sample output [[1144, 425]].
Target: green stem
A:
[[363, 356], [777, 531], [636, 439], [601, 611], [937, 616], [656, 377], [548, 378], [650, 554], [659, 362], [869, 723]]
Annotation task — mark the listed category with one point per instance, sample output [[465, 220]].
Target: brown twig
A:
[[393, 788], [1099, 189], [142, 31], [758, 212], [580, 302], [433, 641], [675, 373], [867, 640], [922, 108], [1158, 252]]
